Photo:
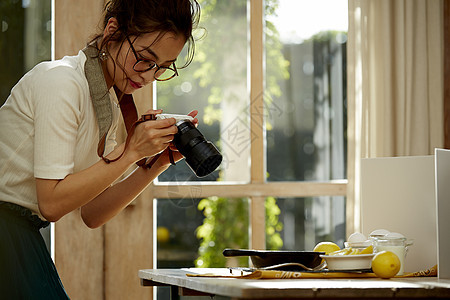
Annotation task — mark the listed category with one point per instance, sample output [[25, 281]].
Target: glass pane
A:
[[25, 39], [306, 90], [194, 232], [307, 221], [177, 244], [215, 84]]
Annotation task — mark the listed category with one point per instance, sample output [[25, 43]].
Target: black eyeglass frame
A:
[[138, 60]]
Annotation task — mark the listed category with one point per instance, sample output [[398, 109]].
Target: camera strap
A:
[[102, 106], [130, 117]]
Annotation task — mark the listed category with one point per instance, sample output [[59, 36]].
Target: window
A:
[[306, 118], [26, 39], [273, 99]]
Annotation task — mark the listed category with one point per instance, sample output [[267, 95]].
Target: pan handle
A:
[[241, 252]]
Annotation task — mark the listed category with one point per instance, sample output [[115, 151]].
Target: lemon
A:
[[354, 251], [368, 250], [345, 251], [162, 234], [326, 247], [385, 264]]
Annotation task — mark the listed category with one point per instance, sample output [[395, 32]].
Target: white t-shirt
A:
[[48, 129]]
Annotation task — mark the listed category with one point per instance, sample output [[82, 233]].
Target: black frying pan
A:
[[266, 258]]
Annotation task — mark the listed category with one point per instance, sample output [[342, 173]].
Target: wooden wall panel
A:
[[101, 263], [128, 236], [75, 23], [79, 258], [128, 248], [78, 249]]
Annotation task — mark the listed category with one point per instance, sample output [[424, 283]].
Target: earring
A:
[[103, 55]]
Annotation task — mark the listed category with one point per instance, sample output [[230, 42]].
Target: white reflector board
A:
[[398, 194]]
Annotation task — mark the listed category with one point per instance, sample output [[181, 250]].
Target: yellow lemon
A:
[[326, 247], [162, 234], [345, 251], [368, 250], [385, 264]]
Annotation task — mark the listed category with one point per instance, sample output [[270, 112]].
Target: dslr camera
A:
[[201, 155]]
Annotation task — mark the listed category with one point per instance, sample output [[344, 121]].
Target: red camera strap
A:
[[102, 106], [130, 117]]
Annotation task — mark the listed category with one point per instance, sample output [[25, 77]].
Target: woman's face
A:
[[162, 49]]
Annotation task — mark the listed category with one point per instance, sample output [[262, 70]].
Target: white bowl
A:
[[348, 262]]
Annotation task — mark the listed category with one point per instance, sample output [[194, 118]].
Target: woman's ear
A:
[[111, 27]]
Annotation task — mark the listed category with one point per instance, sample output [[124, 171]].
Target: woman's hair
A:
[[137, 17]]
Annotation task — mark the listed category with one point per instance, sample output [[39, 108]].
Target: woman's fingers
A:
[[153, 111], [152, 137], [194, 114], [157, 135], [160, 124]]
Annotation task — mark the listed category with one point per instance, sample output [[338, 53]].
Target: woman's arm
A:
[[56, 198], [109, 203]]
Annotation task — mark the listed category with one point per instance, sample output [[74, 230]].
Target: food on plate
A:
[[385, 264], [367, 250], [326, 247], [353, 251]]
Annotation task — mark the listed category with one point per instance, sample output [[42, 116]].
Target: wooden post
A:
[[78, 249], [257, 126], [128, 245], [102, 263]]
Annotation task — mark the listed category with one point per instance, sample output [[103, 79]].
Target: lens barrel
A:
[[201, 155]]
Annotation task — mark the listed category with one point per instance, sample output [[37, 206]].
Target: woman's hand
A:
[[194, 114], [164, 159], [151, 137]]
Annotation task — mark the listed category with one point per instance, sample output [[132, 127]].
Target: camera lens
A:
[[201, 155]]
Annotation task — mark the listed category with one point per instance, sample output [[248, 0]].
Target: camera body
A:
[[176, 117], [201, 155]]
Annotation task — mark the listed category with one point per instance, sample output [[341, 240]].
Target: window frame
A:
[[258, 188]]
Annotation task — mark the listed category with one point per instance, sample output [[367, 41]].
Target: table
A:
[[367, 288]]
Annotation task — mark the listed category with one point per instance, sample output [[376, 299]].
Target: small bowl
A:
[[348, 262]]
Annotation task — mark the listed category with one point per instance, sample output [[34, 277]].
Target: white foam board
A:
[[398, 194]]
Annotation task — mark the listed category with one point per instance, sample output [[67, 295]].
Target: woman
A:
[[60, 118]]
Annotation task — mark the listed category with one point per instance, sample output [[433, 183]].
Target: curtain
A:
[[395, 84]]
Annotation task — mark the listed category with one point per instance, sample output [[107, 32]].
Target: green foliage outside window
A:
[[219, 73], [226, 222], [226, 225]]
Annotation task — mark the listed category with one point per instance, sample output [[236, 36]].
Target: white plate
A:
[[348, 262]]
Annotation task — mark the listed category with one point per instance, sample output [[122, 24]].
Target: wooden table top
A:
[[359, 288]]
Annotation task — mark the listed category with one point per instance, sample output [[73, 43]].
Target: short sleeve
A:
[[57, 115]]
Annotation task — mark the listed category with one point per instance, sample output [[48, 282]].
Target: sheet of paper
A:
[[398, 194]]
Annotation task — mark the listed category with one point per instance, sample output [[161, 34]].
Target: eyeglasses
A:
[[143, 65]]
